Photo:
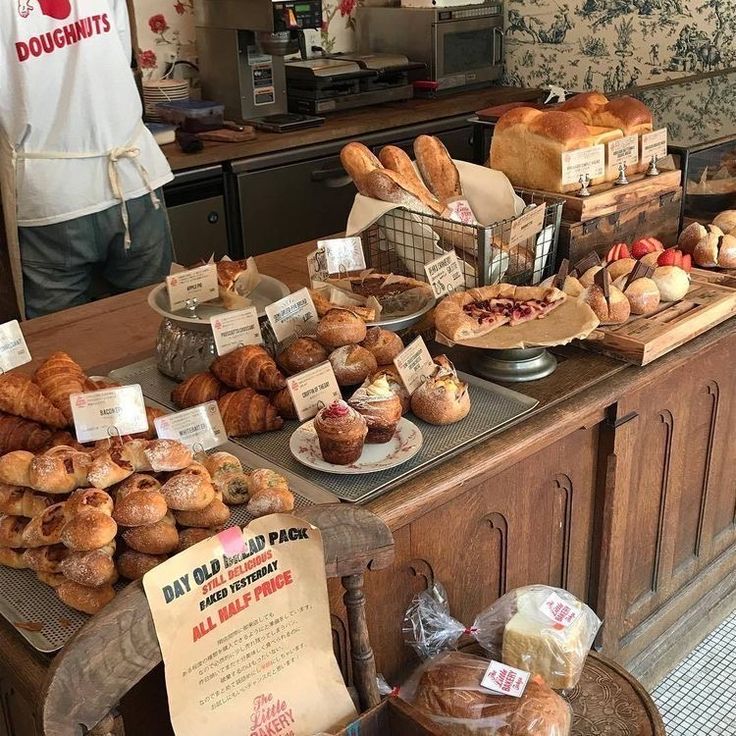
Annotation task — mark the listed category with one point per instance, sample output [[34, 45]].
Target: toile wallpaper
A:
[[578, 44]]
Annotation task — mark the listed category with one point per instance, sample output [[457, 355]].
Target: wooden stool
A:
[[116, 648]]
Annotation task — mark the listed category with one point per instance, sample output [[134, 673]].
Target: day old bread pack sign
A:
[[243, 622]]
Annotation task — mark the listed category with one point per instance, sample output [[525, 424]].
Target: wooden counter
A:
[[621, 487], [351, 124]]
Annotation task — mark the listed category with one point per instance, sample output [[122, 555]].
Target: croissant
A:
[[247, 412], [249, 367], [17, 433], [23, 398], [197, 389], [59, 376]]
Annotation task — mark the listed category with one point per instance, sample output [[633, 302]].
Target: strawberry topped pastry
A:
[[641, 247], [477, 312]]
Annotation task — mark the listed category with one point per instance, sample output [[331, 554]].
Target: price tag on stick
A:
[[312, 389], [444, 274], [109, 412], [294, 313], [233, 329], [13, 348], [623, 151], [199, 425], [414, 364], [654, 144], [343, 255], [196, 283]]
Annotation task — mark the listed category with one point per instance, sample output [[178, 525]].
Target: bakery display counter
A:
[[617, 486]]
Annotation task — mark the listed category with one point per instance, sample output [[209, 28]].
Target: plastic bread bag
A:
[[428, 627], [540, 629], [447, 689]]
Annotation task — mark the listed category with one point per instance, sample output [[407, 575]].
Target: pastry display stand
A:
[[116, 648], [515, 365]]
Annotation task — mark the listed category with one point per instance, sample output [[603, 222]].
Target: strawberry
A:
[[645, 245], [617, 252], [687, 263], [670, 257]]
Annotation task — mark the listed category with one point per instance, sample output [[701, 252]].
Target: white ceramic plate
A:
[[406, 442]]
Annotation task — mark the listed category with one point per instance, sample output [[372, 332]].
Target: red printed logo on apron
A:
[[58, 9]]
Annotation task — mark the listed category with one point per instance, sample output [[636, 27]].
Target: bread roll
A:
[[167, 456], [46, 528], [571, 287], [14, 558], [11, 531], [727, 251], [384, 345], [17, 501], [193, 535], [726, 221], [88, 529], [690, 237], [358, 161], [622, 267], [139, 501], [443, 398], [220, 463], [153, 539], [89, 498], [15, 468], [437, 168], [303, 353], [588, 278], [92, 568], [134, 565], [108, 468], [274, 501], [673, 283], [340, 327], [214, 515], [189, 490], [52, 579], [705, 252], [84, 598], [643, 294], [615, 311], [352, 364], [46, 559], [59, 470]]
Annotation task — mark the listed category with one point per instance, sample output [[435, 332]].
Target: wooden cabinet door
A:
[[670, 507]]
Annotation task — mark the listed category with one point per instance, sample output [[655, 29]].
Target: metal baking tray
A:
[[25, 600], [494, 408]]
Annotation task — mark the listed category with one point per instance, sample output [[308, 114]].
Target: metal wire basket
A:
[[403, 242]]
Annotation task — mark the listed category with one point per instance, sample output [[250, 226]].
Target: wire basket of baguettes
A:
[[436, 210]]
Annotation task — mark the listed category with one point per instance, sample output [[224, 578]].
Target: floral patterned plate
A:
[[406, 442]]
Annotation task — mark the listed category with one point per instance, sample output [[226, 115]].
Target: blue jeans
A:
[[64, 263]]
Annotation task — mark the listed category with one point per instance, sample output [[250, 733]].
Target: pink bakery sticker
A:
[[502, 679], [561, 613], [232, 541]]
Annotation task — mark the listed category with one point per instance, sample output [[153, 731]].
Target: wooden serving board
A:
[[607, 198], [642, 339]]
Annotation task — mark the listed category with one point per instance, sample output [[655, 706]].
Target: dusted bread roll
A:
[[134, 565], [302, 354], [14, 558], [189, 490], [46, 559], [88, 529], [193, 535], [89, 498], [153, 539], [443, 398], [11, 531], [167, 456], [84, 598], [384, 344], [93, 568], [643, 294], [691, 236], [214, 515], [340, 327], [17, 501], [352, 364], [449, 692], [269, 493], [60, 470], [15, 468], [613, 311], [46, 528], [139, 501], [672, 282]]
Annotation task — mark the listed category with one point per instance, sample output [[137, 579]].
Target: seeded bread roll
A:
[[340, 327], [153, 539], [352, 364], [134, 565], [84, 598]]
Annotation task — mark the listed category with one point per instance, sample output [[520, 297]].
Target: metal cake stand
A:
[[515, 365]]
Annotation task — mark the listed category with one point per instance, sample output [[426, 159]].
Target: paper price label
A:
[[343, 254], [590, 161], [200, 425], [197, 283], [113, 411], [444, 274], [414, 364], [317, 266], [654, 144], [234, 329], [560, 612], [13, 348], [294, 314], [623, 151], [312, 389], [527, 225], [504, 680]]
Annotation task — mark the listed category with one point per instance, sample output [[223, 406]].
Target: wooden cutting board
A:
[[224, 135], [642, 339]]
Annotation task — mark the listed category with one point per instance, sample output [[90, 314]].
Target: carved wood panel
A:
[[17, 716]]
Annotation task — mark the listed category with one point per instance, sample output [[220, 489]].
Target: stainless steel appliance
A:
[[242, 44], [461, 46]]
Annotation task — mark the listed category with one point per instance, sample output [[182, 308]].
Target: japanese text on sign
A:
[[199, 425], [233, 329], [294, 313], [197, 283], [112, 411]]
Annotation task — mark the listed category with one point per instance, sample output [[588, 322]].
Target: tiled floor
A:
[[698, 698]]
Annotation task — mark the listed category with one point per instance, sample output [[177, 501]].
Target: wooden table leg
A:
[[361, 654]]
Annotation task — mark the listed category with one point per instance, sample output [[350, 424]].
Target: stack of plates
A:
[[162, 90]]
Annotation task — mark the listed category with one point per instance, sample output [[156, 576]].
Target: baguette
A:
[[389, 186], [396, 160], [358, 161], [437, 168]]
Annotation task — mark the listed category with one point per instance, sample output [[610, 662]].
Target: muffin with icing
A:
[[341, 432], [380, 407]]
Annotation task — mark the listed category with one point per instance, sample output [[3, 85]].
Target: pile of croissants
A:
[[65, 510], [35, 412]]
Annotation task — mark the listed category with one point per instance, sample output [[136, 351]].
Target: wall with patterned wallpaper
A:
[[580, 44], [613, 44]]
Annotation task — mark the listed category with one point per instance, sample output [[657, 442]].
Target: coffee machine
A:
[[241, 46]]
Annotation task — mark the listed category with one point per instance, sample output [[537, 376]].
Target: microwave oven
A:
[[462, 46]]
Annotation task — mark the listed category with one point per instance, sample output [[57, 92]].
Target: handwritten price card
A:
[[197, 283], [113, 411], [414, 364], [343, 255], [444, 274], [243, 623], [294, 314], [13, 348]]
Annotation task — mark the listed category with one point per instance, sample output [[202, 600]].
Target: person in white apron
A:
[[80, 175]]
